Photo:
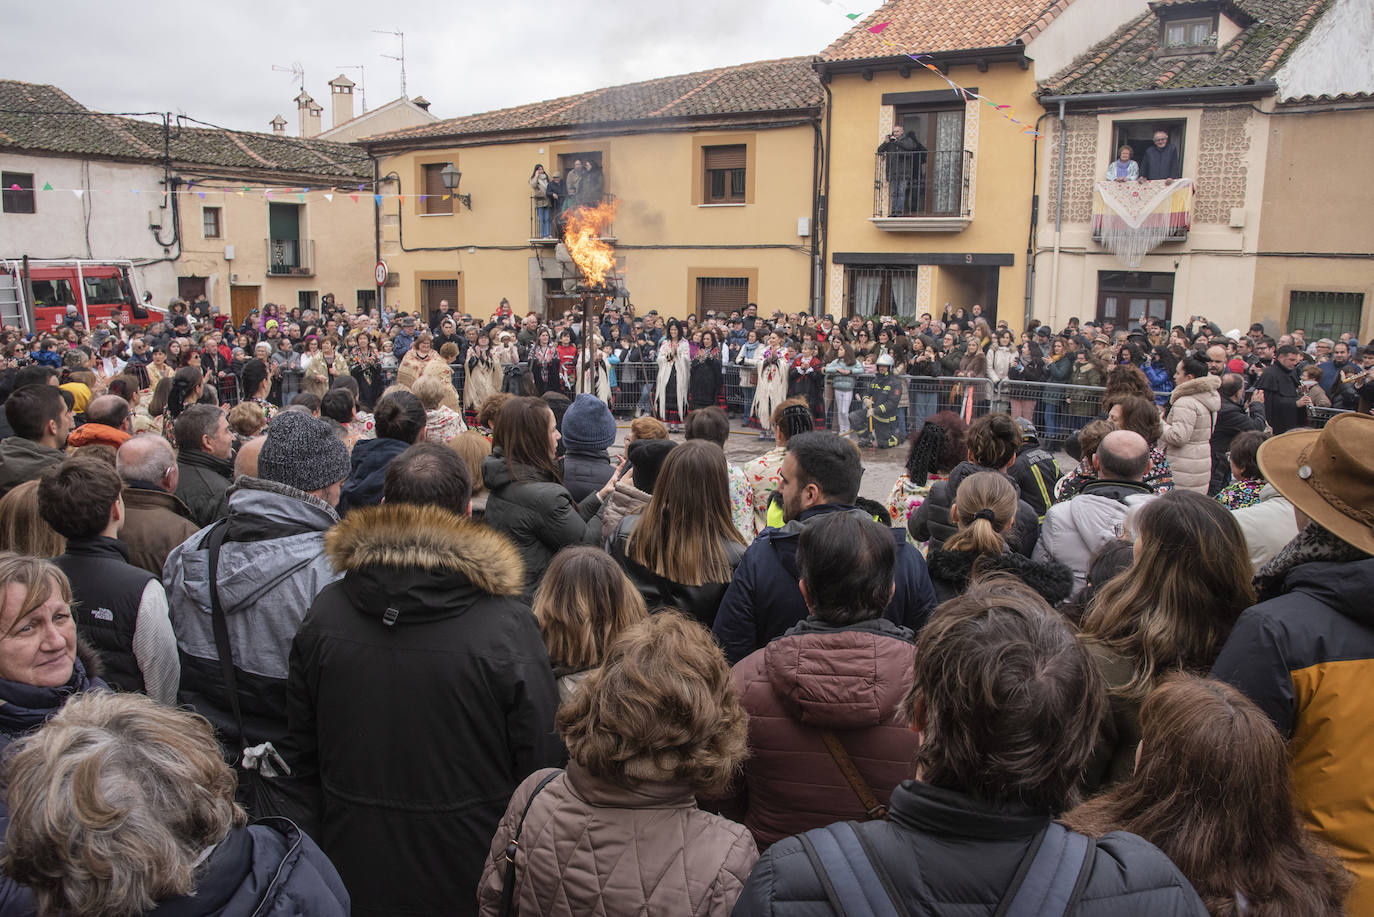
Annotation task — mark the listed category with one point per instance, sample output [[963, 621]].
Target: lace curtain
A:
[[949, 157]]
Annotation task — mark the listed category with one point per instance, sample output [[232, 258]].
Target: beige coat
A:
[[1187, 437], [592, 848]]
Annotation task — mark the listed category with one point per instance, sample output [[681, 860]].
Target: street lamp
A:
[[451, 177]]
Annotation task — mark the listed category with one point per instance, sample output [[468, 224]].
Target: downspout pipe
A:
[[823, 210], [1058, 221]]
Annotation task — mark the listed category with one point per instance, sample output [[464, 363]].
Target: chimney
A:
[[313, 119], [421, 103], [279, 126], [341, 91], [303, 103]]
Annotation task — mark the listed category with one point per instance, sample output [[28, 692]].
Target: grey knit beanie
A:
[[588, 425], [302, 452]]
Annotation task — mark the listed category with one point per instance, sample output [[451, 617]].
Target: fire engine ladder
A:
[[11, 304]]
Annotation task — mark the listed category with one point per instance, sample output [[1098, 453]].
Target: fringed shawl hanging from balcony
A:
[[1132, 217]]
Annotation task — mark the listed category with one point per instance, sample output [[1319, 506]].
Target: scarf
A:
[[1314, 544]]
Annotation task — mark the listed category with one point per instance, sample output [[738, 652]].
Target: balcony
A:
[[554, 236], [922, 192], [290, 257], [1131, 218]]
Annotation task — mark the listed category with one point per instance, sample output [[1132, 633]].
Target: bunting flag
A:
[[47, 186], [329, 197], [1006, 111], [78, 191]]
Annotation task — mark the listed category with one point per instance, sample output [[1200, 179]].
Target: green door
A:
[[284, 246]]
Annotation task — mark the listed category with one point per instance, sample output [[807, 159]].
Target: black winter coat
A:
[[585, 473], [950, 572], [1231, 421], [370, 460], [269, 869], [699, 602], [538, 515], [203, 485], [931, 520], [947, 853], [420, 695], [107, 591], [764, 600]]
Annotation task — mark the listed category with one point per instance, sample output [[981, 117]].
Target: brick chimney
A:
[[279, 126], [341, 92]]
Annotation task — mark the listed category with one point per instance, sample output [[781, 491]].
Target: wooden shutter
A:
[[724, 157], [434, 190]]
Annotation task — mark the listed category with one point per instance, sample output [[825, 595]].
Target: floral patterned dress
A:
[[1241, 493]]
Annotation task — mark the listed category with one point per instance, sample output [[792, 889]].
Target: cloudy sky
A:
[[213, 61]]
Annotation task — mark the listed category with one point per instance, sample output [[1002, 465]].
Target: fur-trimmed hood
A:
[[396, 542], [950, 572], [1204, 388]]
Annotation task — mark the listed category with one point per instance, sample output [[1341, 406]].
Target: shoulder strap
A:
[[508, 883], [223, 649], [1052, 875], [855, 883], [872, 807]]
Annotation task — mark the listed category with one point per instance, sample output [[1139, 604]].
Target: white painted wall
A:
[[1335, 58], [1077, 29], [114, 218]]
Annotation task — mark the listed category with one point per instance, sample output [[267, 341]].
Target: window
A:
[[103, 291], [367, 299], [306, 299], [1188, 33], [1325, 315], [17, 194], [434, 191], [722, 294], [880, 290], [53, 293], [1126, 298], [931, 178], [725, 172], [1140, 136], [433, 292], [209, 222]]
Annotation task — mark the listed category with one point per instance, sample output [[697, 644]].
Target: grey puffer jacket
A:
[[271, 567], [593, 848], [538, 515]]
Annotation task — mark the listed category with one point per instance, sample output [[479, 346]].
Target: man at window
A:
[[905, 161], [1162, 161]]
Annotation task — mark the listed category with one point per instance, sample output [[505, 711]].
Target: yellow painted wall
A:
[[342, 231], [653, 177], [1002, 178]]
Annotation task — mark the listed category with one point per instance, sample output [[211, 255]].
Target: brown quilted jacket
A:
[[850, 680], [591, 848]]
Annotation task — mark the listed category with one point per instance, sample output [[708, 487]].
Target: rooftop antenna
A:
[[402, 57], [362, 82], [297, 71]]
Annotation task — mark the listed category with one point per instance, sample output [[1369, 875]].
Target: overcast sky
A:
[[213, 61]]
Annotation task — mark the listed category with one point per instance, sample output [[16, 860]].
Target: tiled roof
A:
[[1129, 60], [932, 26], [764, 86], [39, 118]]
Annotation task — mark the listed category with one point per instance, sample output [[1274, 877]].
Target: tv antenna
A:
[[297, 71], [401, 57], [362, 82]]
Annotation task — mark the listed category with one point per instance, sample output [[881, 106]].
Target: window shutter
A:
[[434, 190], [722, 294], [724, 157]]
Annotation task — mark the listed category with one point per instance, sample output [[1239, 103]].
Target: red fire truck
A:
[[97, 288]]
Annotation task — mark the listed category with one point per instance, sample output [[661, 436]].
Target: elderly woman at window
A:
[[1124, 167]]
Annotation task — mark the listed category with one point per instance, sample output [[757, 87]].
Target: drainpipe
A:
[[1058, 221]]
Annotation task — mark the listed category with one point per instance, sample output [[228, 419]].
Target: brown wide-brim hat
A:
[[1329, 475]]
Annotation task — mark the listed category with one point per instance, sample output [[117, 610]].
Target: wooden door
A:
[[242, 300]]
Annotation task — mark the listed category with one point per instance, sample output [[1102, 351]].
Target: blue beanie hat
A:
[[588, 425]]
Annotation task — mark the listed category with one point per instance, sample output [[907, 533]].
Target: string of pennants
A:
[[1006, 111], [205, 192]]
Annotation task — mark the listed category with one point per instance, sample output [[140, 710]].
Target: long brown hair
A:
[[1212, 791], [1176, 604], [683, 533], [522, 434], [583, 603]]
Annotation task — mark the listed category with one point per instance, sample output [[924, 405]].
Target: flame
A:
[[582, 236]]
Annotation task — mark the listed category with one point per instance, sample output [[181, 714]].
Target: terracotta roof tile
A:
[[1130, 59], [765, 86], [42, 118], [931, 26]]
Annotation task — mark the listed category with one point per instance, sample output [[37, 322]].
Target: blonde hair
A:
[[113, 803], [663, 707], [22, 529], [472, 447], [683, 532], [246, 419], [988, 491], [584, 602], [38, 577], [647, 427], [431, 389]]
